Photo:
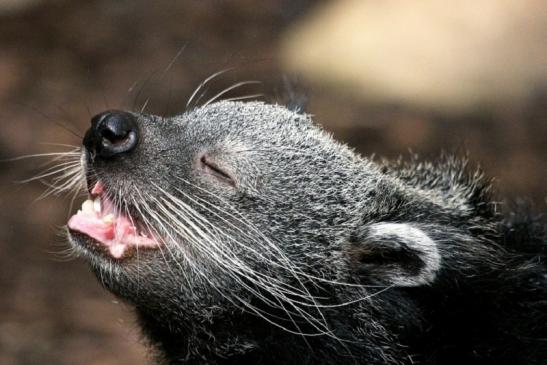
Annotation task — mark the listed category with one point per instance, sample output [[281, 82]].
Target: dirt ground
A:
[[63, 61]]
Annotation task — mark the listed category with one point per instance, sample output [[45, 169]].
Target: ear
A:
[[296, 98], [397, 254]]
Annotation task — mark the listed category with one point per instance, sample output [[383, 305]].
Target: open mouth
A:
[[113, 232]]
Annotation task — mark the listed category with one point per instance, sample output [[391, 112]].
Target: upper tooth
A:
[[97, 205], [87, 206]]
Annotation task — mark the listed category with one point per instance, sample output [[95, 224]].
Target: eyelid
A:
[[215, 170]]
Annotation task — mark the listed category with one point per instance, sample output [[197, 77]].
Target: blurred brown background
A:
[[385, 76]]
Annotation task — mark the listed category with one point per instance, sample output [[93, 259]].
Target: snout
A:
[[112, 133]]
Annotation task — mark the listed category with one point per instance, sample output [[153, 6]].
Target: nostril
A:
[[112, 133], [115, 129]]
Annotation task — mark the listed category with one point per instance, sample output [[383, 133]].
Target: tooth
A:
[[109, 218], [97, 205], [87, 206]]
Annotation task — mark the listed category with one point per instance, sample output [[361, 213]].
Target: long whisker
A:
[[252, 96], [71, 180], [57, 169], [58, 154], [161, 223], [251, 275], [204, 82], [74, 147], [235, 86], [248, 225], [163, 74]]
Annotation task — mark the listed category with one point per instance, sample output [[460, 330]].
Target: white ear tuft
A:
[[395, 253]]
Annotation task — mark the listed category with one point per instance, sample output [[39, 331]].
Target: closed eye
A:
[[213, 169]]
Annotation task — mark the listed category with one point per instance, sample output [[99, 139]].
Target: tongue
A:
[[100, 229], [115, 231], [94, 227]]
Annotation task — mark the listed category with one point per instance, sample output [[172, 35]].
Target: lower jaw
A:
[[97, 250]]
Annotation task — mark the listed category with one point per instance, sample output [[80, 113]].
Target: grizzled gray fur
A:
[[280, 245]]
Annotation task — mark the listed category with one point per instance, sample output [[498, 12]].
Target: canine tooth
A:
[[87, 206], [109, 218], [97, 205]]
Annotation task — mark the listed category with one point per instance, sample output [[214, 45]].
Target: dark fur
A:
[[331, 212]]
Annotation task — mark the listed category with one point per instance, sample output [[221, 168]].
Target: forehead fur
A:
[[254, 123]]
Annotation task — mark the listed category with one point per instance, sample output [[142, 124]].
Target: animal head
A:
[[252, 208]]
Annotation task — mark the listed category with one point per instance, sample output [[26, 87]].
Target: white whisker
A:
[[200, 86], [245, 97], [235, 86], [50, 154], [235, 268]]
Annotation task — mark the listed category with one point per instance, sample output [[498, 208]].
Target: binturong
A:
[[242, 233]]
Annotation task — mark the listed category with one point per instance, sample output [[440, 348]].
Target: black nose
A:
[[111, 133]]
